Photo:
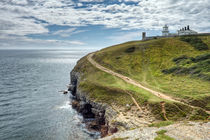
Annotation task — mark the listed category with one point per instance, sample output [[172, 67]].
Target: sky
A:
[[94, 23]]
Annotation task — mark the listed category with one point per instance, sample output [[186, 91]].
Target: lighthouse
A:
[[165, 31]]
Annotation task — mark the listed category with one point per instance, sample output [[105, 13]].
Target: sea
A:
[[31, 106]]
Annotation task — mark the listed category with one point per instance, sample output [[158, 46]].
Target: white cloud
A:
[[53, 3], [146, 14], [124, 36], [22, 41], [79, 4], [132, 0], [150, 14], [91, 0], [21, 2], [68, 32]]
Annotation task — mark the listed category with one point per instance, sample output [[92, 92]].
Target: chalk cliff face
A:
[[100, 113]]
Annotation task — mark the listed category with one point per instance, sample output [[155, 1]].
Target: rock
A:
[[81, 106], [71, 88], [94, 125], [75, 104], [140, 115], [100, 112], [113, 130], [64, 91], [104, 131]]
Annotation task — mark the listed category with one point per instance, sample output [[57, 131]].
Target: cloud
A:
[[26, 17], [91, 0], [124, 36], [131, 0], [53, 4], [79, 4], [68, 32], [26, 42], [152, 14], [19, 2]]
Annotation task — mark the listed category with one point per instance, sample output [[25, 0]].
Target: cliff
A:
[[101, 113], [175, 67]]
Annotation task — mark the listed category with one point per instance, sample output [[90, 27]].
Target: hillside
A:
[[172, 66], [176, 67]]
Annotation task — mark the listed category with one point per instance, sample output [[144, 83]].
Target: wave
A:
[[66, 105]]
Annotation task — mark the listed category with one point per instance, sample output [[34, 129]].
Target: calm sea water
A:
[[31, 108]]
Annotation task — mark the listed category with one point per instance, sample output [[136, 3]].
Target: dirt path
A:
[[128, 80], [135, 102], [133, 82]]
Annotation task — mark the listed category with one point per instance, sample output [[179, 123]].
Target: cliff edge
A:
[[178, 68]]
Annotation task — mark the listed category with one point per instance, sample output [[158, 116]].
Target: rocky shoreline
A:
[[177, 131], [97, 116], [127, 120]]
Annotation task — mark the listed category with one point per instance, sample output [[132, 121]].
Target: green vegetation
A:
[[196, 67], [104, 87], [161, 132], [163, 136], [196, 42], [130, 50], [160, 124], [144, 62], [120, 138], [187, 67]]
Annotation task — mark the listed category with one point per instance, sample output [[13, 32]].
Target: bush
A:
[[130, 50], [182, 71], [196, 42], [178, 59], [202, 57], [171, 70], [161, 124]]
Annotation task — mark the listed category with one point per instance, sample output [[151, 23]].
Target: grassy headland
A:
[[173, 66]]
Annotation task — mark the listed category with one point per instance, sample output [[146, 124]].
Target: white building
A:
[[183, 31], [186, 31], [165, 31]]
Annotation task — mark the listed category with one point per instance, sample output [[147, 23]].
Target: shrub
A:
[[130, 50], [161, 124], [202, 57], [171, 70], [182, 71], [178, 59], [162, 136], [200, 67], [196, 42]]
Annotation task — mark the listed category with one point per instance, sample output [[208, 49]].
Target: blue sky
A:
[[94, 23]]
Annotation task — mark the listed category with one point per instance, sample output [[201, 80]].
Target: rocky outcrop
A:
[[96, 115], [177, 131]]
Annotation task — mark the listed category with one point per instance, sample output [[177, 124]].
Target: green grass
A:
[[104, 87], [163, 136], [146, 62], [160, 124], [198, 66], [196, 42], [120, 138]]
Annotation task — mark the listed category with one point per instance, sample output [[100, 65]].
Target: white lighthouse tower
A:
[[165, 31]]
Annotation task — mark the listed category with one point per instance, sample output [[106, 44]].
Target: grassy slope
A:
[[145, 68], [148, 60]]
